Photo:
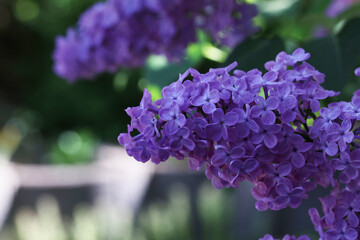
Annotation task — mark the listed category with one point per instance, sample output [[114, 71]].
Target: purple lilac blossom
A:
[[357, 72], [337, 7], [238, 139], [123, 33]]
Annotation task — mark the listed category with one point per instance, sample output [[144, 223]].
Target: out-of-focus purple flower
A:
[[337, 7], [123, 33], [357, 72]]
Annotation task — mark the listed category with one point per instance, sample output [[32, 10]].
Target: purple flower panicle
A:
[[263, 136], [123, 33]]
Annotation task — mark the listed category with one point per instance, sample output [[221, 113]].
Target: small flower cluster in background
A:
[[123, 33], [257, 127]]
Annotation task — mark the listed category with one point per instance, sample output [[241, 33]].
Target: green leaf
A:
[[254, 53], [349, 39], [326, 57]]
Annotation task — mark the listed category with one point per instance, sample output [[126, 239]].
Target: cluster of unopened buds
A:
[[268, 128]]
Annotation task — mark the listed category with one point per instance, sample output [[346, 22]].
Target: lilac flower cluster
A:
[[341, 208], [125, 32], [337, 7], [286, 237], [245, 126]]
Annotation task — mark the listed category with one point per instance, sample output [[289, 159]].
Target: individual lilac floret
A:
[[123, 33]]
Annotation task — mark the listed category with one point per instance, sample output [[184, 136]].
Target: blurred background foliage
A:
[[159, 221]]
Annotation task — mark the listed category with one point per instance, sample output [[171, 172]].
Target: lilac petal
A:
[[242, 130], [219, 158], [247, 97], [355, 155], [284, 169], [256, 111], [270, 140], [346, 125], [332, 149], [282, 190], [254, 79], [305, 147], [333, 128], [272, 103], [348, 137], [329, 218], [253, 126], [214, 131], [268, 117], [257, 138], [290, 102], [297, 159], [332, 235], [260, 100], [273, 128], [333, 137], [295, 202], [209, 107], [231, 118], [351, 172], [250, 165], [298, 191], [180, 120], [282, 201], [351, 234], [315, 105], [217, 183], [214, 96], [189, 144], [355, 164], [176, 145], [237, 152], [218, 115], [352, 219], [184, 132], [198, 101], [289, 116], [224, 132], [171, 127], [166, 114], [270, 76]]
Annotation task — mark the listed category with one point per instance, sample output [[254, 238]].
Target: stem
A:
[[266, 92]]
